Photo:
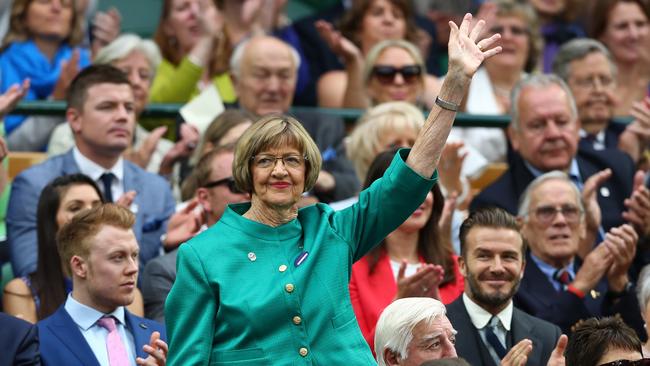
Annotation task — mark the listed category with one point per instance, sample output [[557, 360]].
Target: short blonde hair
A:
[[364, 143], [273, 131], [373, 55], [75, 237]]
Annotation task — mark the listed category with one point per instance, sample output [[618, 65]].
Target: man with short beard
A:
[[488, 325]]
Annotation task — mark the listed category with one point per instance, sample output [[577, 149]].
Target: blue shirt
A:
[[548, 271], [86, 319]]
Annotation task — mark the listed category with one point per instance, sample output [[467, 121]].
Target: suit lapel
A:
[[468, 337], [68, 333], [132, 182], [69, 164], [521, 330], [537, 284], [140, 331]]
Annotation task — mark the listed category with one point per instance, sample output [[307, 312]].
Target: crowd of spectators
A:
[[258, 226]]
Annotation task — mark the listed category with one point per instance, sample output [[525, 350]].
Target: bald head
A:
[[264, 71]]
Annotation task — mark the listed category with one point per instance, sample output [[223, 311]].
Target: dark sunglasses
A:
[[386, 74], [230, 182], [641, 362]]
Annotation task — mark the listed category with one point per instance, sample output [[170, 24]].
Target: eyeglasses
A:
[[592, 82], [514, 30], [641, 362], [546, 214], [386, 74], [291, 161], [230, 182]]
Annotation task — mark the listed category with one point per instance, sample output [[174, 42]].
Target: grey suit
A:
[[153, 200], [470, 346], [157, 280]]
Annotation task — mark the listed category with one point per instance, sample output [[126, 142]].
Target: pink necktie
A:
[[117, 355]]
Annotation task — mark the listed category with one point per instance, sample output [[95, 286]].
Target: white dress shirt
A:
[[95, 171], [481, 318], [86, 319]]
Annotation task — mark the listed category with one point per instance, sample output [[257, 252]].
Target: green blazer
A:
[[245, 294]]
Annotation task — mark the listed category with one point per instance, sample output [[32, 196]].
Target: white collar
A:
[[94, 170], [481, 317], [85, 316]]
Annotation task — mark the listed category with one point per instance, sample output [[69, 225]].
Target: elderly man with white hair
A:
[[413, 330]]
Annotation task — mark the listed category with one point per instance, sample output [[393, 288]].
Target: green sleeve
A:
[[175, 84], [190, 312], [383, 206]]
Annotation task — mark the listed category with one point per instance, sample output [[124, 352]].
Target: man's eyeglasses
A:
[[386, 74], [593, 81], [291, 161], [546, 214], [641, 362], [230, 182]]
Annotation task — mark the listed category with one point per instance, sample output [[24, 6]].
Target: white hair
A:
[[394, 330], [538, 81], [524, 201], [238, 54], [123, 45], [643, 289]]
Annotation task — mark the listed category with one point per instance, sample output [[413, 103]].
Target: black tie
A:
[[107, 181], [492, 338]]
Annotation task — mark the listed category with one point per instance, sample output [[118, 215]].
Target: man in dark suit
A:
[[264, 73], [488, 325], [19, 342], [588, 69], [102, 117], [559, 287], [93, 327], [544, 136], [215, 190]]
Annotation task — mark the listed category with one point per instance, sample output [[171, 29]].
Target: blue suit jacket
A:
[[154, 201], [506, 191], [470, 346], [537, 296], [19, 342], [63, 344]]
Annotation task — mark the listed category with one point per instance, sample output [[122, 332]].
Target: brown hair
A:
[[75, 237], [524, 11], [351, 22], [600, 11], [171, 52], [490, 217], [592, 338], [90, 76], [430, 244], [18, 27], [203, 169]]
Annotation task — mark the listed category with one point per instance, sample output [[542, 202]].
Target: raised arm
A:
[[465, 56]]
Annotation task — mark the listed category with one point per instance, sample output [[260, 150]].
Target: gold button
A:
[[303, 352], [289, 287], [282, 268], [297, 320]]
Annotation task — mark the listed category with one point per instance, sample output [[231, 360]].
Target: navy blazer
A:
[[538, 297], [63, 344], [470, 346], [18, 342], [154, 202], [506, 191]]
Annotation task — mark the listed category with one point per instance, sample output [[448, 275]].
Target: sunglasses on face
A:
[[386, 74], [230, 182], [641, 362]]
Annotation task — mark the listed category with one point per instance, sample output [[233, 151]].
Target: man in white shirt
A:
[[100, 254], [492, 261], [102, 116]]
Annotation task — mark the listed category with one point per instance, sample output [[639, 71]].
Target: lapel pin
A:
[[252, 257], [595, 294], [300, 259], [604, 191], [143, 326]]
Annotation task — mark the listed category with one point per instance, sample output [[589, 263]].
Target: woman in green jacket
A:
[[268, 284]]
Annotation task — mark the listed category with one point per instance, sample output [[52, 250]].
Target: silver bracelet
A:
[[447, 105]]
